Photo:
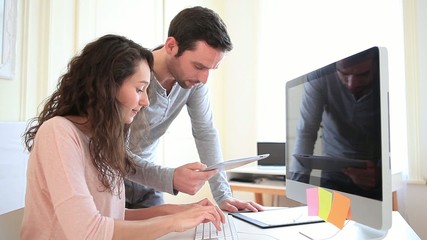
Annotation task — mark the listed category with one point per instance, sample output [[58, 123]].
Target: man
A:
[[197, 42], [343, 100]]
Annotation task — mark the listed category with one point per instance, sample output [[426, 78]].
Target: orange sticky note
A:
[[325, 201], [312, 201], [349, 214], [339, 210]]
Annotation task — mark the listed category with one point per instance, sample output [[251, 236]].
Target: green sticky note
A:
[[325, 201]]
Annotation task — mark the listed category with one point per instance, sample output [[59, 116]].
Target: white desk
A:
[[276, 187], [399, 230]]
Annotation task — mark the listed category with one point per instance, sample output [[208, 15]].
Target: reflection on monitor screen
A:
[[338, 137]]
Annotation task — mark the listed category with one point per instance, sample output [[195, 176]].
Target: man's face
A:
[[357, 78], [193, 66]]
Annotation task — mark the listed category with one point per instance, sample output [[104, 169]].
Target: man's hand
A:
[[234, 205], [189, 179], [365, 178]]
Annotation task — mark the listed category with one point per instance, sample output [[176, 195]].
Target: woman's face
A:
[[132, 94]]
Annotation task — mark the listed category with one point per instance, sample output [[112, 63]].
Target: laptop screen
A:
[[276, 151]]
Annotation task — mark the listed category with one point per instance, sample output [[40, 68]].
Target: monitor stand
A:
[[350, 231]]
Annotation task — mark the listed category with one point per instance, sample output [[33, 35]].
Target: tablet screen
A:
[[230, 164]]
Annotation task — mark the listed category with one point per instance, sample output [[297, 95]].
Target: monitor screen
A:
[[338, 136]]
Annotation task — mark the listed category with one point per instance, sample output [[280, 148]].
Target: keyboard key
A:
[[207, 231]]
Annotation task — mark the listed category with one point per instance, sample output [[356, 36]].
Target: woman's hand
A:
[[193, 214]]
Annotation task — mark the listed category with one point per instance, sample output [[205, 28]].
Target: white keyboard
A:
[[208, 231]]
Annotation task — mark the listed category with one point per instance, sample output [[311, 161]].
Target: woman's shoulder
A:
[[58, 124], [58, 121]]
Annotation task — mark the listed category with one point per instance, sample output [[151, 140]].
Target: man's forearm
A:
[[153, 175]]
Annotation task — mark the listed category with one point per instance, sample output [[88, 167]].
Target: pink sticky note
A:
[[312, 201]]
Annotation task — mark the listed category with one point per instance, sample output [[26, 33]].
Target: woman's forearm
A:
[[155, 211], [147, 229]]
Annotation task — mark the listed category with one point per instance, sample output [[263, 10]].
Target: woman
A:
[[79, 156]]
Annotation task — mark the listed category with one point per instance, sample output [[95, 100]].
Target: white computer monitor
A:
[[340, 113]]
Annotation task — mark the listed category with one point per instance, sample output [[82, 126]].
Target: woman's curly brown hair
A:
[[89, 89]]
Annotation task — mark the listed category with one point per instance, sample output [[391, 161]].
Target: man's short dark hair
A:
[[199, 24]]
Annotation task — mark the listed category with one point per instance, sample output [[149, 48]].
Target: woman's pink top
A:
[[64, 198]]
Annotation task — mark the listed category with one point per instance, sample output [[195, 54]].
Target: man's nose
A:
[[351, 82], [203, 76]]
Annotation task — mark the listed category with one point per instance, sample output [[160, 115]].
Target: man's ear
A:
[[171, 46]]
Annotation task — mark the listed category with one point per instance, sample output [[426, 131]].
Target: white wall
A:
[[323, 35], [13, 163], [413, 195]]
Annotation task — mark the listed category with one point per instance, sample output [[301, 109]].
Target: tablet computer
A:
[[280, 217], [328, 163], [230, 164]]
